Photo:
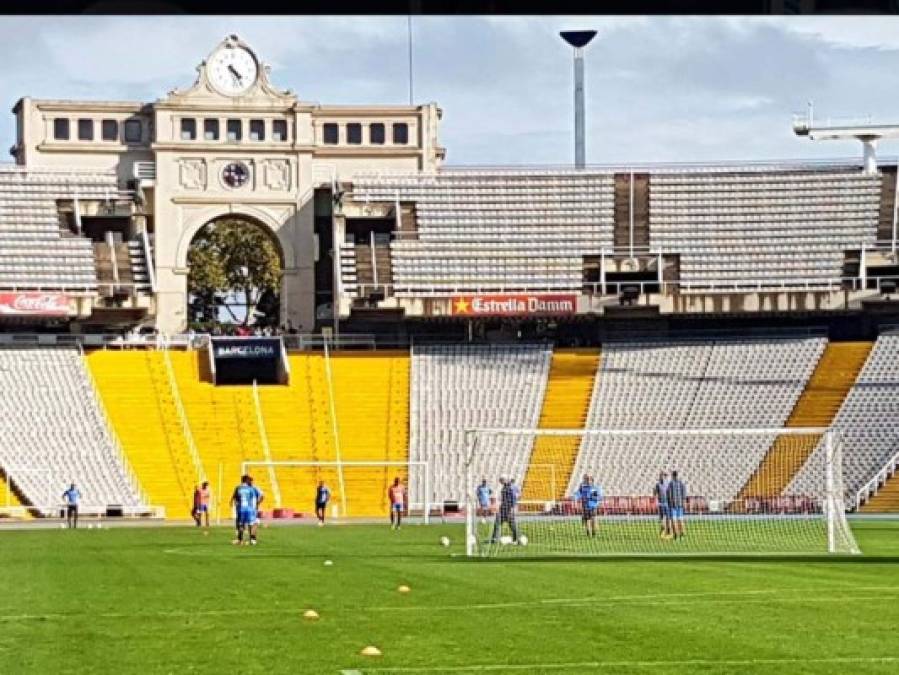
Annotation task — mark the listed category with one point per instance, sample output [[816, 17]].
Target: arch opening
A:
[[234, 283]]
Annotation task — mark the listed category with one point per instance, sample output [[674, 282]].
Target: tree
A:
[[234, 259]]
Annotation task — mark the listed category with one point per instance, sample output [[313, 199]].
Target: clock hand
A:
[[235, 73]]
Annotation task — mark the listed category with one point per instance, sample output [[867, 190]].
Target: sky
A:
[[658, 89]]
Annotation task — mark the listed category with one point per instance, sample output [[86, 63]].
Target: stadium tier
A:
[[771, 226], [176, 427], [495, 231], [54, 432], [36, 250]]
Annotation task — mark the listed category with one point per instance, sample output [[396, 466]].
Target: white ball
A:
[[328, 563], [90, 526], [505, 540], [444, 541], [473, 540], [62, 526], [523, 540]]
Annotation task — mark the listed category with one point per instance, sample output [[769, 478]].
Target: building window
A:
[[279, 130], [235, 130], [85, 130], [401, 133], [109, 130], [133, 131], [354, 133], [61, 129], [257, 130], [330, 133], [188, 129], [376, 133], [211, 130]]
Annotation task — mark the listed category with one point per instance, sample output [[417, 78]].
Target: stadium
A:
[[547, 419]]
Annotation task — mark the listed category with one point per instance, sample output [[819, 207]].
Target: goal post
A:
[[358, 488], [614, 492]]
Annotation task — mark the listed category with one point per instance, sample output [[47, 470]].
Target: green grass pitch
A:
[[170, 600]]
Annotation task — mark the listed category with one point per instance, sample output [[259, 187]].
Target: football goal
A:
[[358, 488], [642, 491]]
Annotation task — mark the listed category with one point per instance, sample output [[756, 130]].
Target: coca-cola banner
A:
[[519, 304], [34, 304]]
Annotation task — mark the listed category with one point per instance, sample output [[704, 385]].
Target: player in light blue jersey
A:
[[590, 496], [484, 493], [246, 500]]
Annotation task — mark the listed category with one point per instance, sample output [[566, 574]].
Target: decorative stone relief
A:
[[277, 174], [193, 174]]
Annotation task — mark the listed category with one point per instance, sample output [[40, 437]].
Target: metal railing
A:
[[182, 415], [871, 488], [654, 287], [266, 448], [148, 255]]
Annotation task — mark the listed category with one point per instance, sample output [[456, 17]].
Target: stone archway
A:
[[255, 290]]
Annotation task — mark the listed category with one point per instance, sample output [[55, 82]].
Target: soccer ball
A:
[[328, 563], [444, 541], [505, 540], [523, 540]]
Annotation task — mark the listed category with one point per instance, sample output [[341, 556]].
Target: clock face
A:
[[232, 70], [236, 175]]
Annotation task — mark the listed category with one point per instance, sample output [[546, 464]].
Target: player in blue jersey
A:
[[677, 501], [590, 497], [246, 500], [660, 492], [322, 495], [72, 496], [484, 493]]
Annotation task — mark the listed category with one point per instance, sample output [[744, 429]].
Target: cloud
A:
[[658, 88]]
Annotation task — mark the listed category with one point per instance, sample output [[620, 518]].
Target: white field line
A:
[[660, 599], [849, 660]]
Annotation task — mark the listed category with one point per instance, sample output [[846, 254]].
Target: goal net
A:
[[358, 488], [687, 491]]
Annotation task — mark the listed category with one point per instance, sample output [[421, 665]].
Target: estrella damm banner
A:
[[518, 304]]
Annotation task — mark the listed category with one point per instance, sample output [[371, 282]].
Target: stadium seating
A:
[[565, 406], [775, 227], [819, 403], [460, 387], [224, 426], [371, 403], [54, 432], [496, 231], [135, 389], [866, 423], [720, 384], [35, 252]]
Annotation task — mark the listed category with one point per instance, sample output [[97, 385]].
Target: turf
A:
[[170, 600]]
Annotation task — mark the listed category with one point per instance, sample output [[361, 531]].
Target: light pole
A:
[[579, 39]]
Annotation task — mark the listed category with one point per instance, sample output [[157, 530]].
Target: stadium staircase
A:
[[136, 393], [224, 425], [818, 405], [8, 496], [571, 380], [887, 498]]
